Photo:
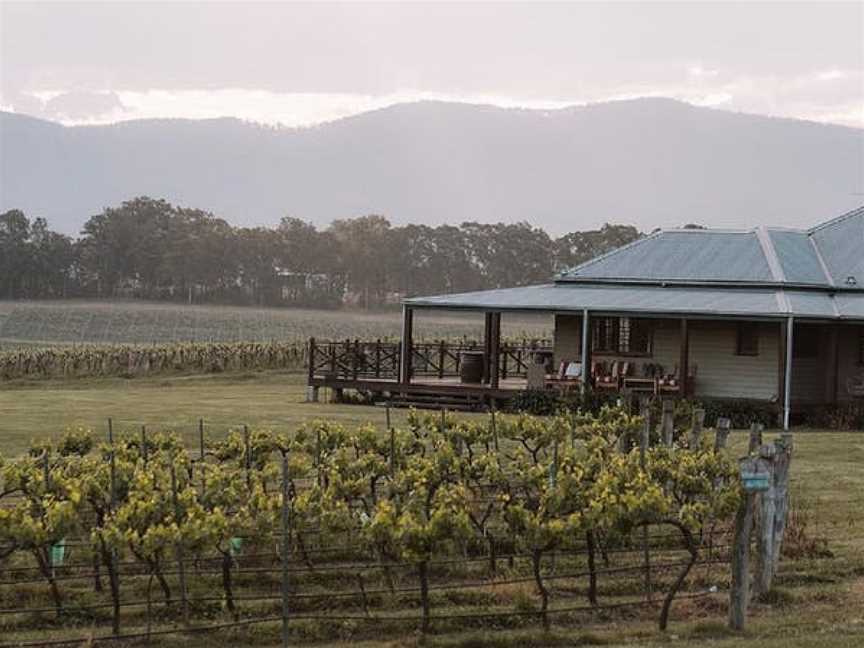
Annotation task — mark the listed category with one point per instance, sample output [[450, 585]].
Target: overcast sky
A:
[[299, 64]]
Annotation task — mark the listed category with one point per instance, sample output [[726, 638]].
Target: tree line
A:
[[149, 249]]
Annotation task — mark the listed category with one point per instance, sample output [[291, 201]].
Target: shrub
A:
[[849, 416]]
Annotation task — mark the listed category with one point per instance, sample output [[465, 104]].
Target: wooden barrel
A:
[[471, 367]]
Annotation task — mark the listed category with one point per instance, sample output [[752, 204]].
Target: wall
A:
[[812, 377], [665, 347], [720, 373]]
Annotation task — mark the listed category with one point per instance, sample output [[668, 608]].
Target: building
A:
[[769, 314]]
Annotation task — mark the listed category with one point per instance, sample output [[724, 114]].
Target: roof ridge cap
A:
[[837, 219], [770, 252], [821, 259]]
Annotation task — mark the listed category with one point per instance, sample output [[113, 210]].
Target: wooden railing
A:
[[355, 359]]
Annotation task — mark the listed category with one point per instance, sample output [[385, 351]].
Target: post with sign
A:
[[754, 479]]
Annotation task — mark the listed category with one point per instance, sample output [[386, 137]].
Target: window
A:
[[805, 342], [622, 336], [748, 339]]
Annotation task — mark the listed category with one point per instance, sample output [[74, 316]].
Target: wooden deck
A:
[[372, 369], [424, 391]]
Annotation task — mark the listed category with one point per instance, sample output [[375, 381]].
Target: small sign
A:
[[755, 481], [235, 546], [58, 553]]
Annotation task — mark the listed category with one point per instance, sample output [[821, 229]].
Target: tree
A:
[[576, 248]]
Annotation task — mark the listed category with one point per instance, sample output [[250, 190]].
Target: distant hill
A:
[[650, 162]]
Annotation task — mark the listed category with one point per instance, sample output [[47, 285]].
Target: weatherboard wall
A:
[[720, 372]]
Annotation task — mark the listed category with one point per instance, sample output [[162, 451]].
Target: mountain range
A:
[[647, 162]]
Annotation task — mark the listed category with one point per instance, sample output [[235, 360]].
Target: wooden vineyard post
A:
[[756, 477], [247, 456], [765, 534], [644, 443], [696, 430], [494, 427], [286, 546], [782, 464], [181, 566], [144, 444], [724, 425], [755, 437], [774, 511], [667, 423], [739, 592], [113, 576]]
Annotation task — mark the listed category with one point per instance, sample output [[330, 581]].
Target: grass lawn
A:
[[820, 601]]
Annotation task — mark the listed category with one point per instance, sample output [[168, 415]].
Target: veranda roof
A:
[[648, 299]]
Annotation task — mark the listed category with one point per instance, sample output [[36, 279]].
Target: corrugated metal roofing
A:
[[679, 300], [841, 243], [825, 256], [684, 255], [798, 257], [756, 273]]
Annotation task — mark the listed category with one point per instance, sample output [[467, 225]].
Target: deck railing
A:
[[355, 359]]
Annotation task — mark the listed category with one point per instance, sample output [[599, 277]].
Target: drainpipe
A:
[[787, 387], [586, 360]]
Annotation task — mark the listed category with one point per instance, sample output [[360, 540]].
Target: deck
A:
[[372, 369]]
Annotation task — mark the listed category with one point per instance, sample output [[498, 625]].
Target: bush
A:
[[742, 413], [843, 418], [546, 402]]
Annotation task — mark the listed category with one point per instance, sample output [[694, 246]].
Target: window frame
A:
[[619, 336], [740, 350]]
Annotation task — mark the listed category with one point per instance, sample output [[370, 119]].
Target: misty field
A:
[[35, 323]]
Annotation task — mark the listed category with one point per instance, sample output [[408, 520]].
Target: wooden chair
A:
[[608, 380], [569, 374], [855, 386], [672, 383]]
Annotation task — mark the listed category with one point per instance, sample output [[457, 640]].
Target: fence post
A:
[[286, 546], [644, 443], [724, 425], [441, 354], [739, 592], [494, 427], [247, 456], [696, 430], [782, 464], [755, 437], [767, 510], [144, 452], [201, 439], [181, 566], [311, 368], [114, 576], [667, 423], [378, 358]]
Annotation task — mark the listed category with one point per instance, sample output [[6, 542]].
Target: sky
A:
[[300, 64]]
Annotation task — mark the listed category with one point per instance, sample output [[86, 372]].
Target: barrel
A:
[[471, 367]]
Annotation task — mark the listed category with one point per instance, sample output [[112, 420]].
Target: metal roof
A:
[[824, 256], [764, 272], [841, 243], [647, 299], [683, 255]]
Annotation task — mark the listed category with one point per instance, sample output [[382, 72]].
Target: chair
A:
[[568, 375], [672, 384], [608, 380], [855, 386]]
